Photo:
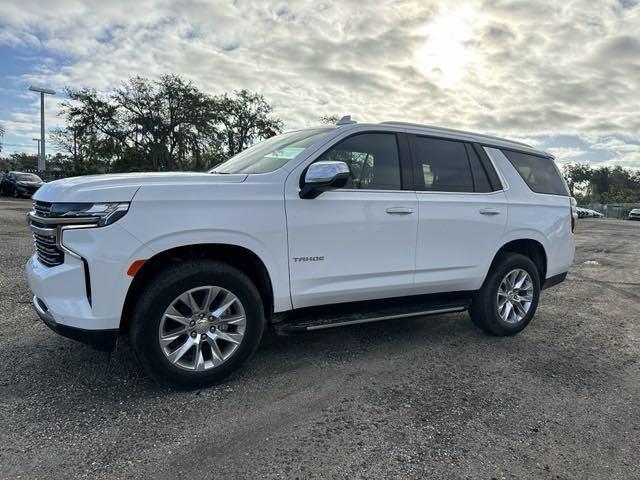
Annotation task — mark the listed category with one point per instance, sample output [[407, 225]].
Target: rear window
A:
[[539, 173]]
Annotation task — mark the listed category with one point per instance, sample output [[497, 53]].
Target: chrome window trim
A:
[[503, 180], [432, 192], [368, 190]]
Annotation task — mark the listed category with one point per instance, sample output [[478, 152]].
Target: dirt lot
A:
[[431, 397]]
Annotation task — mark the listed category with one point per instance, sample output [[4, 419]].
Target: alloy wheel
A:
[[515, 295], [202, 328]]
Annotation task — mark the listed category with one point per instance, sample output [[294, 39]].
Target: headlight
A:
[[106, 213]]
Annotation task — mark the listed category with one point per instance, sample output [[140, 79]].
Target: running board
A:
[[313, 319]]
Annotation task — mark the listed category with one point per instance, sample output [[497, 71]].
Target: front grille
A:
[[47, 248], [48, 252], [42, 209]]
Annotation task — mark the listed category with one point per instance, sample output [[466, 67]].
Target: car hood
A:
[[121, 187]]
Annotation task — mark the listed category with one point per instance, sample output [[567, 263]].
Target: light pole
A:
[[41, 155], [37, 140]]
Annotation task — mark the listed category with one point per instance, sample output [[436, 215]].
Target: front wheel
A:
[[196, 322], [508, 299]]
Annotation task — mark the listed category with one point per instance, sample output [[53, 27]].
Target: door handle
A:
[[399, 210], [489, 211]]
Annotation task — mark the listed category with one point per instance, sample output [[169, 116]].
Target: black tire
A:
[[160, 292], [484, 307]]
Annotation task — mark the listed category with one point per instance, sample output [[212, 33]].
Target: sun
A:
[[446, 54]]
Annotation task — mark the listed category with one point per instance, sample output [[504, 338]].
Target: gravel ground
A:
[[430, 397]]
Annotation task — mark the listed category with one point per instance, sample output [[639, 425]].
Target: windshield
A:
[[271, 154], [27, 177]]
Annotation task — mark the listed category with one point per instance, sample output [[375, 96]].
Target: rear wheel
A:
[[197, 322], [508, 299]]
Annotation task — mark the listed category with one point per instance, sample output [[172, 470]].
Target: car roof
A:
[[488, 140]]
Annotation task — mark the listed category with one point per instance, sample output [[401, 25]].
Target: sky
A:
[[561, 75]]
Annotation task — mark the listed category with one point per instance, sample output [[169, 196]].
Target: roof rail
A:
[[453, 130]]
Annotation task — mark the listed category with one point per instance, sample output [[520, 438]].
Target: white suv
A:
[[308, 230]]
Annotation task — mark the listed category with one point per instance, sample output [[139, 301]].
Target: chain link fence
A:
[[612, 210]]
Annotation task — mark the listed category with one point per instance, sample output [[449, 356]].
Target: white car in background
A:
[[588, 213], [634, 214]]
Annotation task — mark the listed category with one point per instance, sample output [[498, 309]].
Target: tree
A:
[[577, 175], [164, 124], [602, 184], [244, 119], [23, 161], [1, 135], [87, 151], [329, 119]]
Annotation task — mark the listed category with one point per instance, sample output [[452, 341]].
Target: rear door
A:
[[357, 242], [462, 214]]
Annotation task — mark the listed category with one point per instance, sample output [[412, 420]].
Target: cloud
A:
[[520, 69]]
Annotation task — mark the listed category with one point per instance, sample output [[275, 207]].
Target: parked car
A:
[[582, 212], [634, 214], [308, 230], [20, 184], [587, 212]]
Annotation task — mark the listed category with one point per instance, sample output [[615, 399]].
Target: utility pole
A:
[[42, 155], [37, 140]]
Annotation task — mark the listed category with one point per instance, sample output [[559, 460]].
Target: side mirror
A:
[[323, 176]]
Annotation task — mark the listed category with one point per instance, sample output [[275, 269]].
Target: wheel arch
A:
[[530, 248], [239, 257]]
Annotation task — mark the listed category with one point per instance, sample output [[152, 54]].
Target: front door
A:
[[357, 242]]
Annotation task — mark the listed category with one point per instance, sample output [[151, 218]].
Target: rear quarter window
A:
[[539, 173]]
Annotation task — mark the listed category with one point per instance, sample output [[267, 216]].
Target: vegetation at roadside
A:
[[154, 125], [170, 124], [602, 184]]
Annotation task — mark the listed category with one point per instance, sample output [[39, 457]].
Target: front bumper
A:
[[83, 297], [104, 340]]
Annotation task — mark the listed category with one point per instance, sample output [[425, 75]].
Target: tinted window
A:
[[373, 159], [444, 163], [480, 180], [538, 172]]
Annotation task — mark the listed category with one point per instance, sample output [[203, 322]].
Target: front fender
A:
[[278, 277], [251, 218]]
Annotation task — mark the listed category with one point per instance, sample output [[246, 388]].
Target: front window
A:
[[271, 154], [372, 158], [27, 177]]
